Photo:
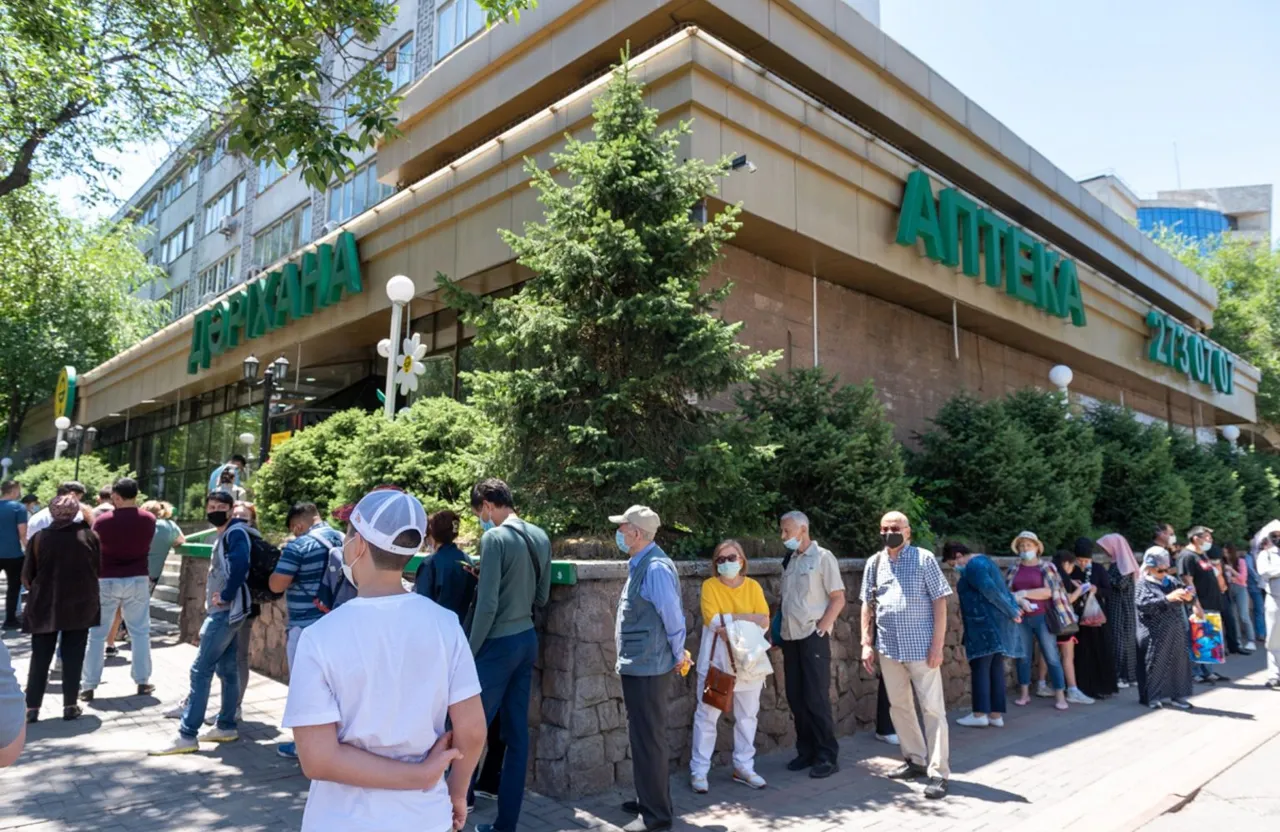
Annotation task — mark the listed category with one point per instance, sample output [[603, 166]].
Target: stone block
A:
[[586, 753], [623, 776], [775, 722], [588, 660], [553, 743], [590, 781], [551, 778], [557, 684], [585, 722], [594, 617], [557, 652], [560, 619], [592, 690], [610, 715], [557, 712], [617, 745]]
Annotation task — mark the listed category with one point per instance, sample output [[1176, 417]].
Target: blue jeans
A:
[[505, 668], [217, 654], [1259, 600], [988, 684], [1036, 629], [133, 596]]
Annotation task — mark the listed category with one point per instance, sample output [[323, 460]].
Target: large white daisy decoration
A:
[[409, 365]]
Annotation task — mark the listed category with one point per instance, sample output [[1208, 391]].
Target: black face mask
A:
[[892, 540], [218, 518]]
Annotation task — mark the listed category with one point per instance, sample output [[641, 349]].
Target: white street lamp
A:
[[61, 423], [1231, 433], [400, 290], [246, 438], [1061, 376], [6, 464]]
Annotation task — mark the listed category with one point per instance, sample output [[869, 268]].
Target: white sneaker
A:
[[888, 739], [749, 778], [698, 782], [1123, 685], [220, 735], [176, 711], [1250, 646], [1043, 690], [974, 721], [996, 722], [180, 745], [1076, 697], [212, 718]]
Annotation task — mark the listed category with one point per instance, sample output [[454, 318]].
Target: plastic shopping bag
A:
[[1093, 616], [1206, 639], [750, 650]]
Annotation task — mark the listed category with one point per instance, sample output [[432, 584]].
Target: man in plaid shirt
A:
[[904, 592]]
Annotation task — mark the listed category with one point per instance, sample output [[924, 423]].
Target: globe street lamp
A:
[[62, 423], [400, 290], [1060, 376], [78, 434], [6, 464], [272, 376], [1231, 433]]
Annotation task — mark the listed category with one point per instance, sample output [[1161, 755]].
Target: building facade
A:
[[1200, 214], [892, 230]]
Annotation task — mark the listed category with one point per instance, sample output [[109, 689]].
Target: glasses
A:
[[726, 559], [889, 529]]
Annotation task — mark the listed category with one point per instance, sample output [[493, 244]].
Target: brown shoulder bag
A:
[[718, 690]]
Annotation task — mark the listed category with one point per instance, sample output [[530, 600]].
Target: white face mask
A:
[[1029, 555], [346, 566]]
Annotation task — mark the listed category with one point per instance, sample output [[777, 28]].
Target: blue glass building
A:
[[1199, 224]]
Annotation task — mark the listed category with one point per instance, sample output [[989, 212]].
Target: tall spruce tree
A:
[[596, 372]]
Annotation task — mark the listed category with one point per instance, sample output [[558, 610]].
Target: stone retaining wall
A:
[[578, 723]]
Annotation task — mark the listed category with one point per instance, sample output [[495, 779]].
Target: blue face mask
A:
[[620, 540], [791, 543], [485, 525], [729, 568]]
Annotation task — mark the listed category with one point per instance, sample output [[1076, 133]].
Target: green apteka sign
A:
[[272, 301], [957, 232]]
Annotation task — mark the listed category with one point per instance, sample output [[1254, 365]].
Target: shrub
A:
[[1217, 500], [43, 478], [436, 451], [1140, 486], [836, 457], [1074, 460], [305, 467], [982, 476], [1260, 487]]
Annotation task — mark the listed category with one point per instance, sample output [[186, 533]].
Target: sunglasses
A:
[[726, 559]]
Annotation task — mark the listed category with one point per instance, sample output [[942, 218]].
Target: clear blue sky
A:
[[1108, 86], [1095, 85]]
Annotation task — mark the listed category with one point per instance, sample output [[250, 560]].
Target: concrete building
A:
[[892, 230], [1198, 213]]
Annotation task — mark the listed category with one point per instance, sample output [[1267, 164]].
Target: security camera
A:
[[743, 162]]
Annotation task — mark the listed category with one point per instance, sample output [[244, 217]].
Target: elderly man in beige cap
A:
[[649, 635]]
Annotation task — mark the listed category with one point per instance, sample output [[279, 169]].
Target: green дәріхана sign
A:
[[274, 299], [1187, 351], [957, 232]]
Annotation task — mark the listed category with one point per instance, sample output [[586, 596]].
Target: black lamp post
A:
[[273, 375], [78, 434]]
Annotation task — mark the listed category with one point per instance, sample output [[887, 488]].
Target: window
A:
[[191, 175], [398, 64], [270, 173], [223, 205], [177, 243], [150, 213], [282, 237], [177, 302], [215, 280], [354, 195], [219, 150], [172, 190], [457, 21]]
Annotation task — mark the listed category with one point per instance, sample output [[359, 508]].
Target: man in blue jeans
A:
[[227, 601], [515, 576]]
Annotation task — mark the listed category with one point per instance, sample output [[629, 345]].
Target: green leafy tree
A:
[[837, 459], [66, 297], [594, 373], [1140, 483], [1217, 499], [43, 478], [436, 451], [81, 76], [305, 468], [1074, 460], [1260, 487], [982, 476]]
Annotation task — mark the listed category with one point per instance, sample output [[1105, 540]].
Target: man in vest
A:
[[649, 635]]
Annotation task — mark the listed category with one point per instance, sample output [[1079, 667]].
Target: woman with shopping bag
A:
[[732, 666], [1095, 661], [1046, 615]]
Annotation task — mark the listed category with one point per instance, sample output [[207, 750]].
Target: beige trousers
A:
[[899, 678]]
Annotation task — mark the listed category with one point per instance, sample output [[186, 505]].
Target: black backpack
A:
[[263, 557]]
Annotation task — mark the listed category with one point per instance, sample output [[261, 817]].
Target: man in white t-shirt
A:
[[42, 519], [372, 685]]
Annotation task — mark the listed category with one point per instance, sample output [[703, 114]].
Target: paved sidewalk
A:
[[1113, 765]]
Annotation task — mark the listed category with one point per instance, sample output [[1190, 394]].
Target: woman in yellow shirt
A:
[[727, 597]]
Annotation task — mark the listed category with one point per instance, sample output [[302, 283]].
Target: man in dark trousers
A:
[[650, 633]]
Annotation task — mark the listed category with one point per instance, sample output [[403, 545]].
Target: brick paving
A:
[[1113, 765]]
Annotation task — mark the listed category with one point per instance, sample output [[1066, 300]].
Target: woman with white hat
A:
[[1032, 583]]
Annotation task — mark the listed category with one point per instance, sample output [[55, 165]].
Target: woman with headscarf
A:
[[1267, 544], [61, 576], [1122, 618], [1095, 661], [1164, 659]]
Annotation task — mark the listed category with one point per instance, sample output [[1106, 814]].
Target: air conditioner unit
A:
[[226, 226]]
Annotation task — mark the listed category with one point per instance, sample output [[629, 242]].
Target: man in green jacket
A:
[[515, 576]]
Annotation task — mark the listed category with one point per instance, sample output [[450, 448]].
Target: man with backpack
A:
[[299, 574], [515, 576], [227, 602]]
